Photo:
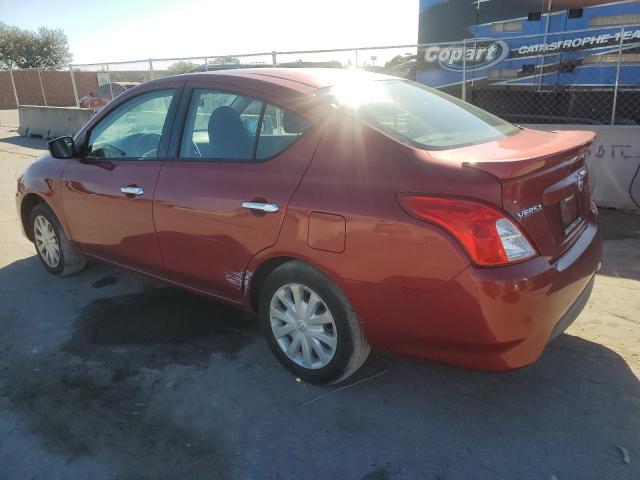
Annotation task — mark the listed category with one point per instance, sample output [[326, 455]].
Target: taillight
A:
[[488, 235]]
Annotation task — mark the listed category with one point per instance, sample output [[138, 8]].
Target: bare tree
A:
[[46, 48]]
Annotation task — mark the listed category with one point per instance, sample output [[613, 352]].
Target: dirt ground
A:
[[107, 374]]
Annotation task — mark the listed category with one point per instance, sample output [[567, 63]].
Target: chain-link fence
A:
[[580, 77], [574, 77], [46, 87]]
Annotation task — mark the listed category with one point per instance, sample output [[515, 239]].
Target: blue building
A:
[[547, 61]]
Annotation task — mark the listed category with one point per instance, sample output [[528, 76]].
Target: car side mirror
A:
[[62, 147]]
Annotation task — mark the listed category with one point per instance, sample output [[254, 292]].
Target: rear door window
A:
[[216, 128], [226, 126], [280, 128]]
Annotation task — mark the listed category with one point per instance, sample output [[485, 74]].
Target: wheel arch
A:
[[265, 266], [260, 274], [29, 202]]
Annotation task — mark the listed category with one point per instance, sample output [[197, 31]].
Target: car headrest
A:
[[225, 125]]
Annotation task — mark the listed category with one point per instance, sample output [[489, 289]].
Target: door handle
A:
[[132, 190], [263, 207]]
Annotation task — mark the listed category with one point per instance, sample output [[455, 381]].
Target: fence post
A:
[[15, 90], [464, 70], [274, 59], [44, 97], [74, 86], [544, 42], [109, 79], [206, 64], [356, 51], [615, 88], [150, 69]]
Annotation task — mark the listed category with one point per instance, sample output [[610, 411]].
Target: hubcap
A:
[[303, 326], [46, 241]]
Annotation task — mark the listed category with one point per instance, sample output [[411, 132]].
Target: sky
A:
[[118, 30]]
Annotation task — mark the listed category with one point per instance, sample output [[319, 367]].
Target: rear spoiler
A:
[[566, 147]]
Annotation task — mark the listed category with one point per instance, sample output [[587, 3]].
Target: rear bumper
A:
[[576, 309], [487, 319]]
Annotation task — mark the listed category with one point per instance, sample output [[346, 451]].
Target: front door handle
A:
[[263, 207], [132, 190]]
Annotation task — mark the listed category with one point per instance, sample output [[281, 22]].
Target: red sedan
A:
[[348, 210]]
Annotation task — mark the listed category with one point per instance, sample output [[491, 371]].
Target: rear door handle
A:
[[263, 207], [132, 190]]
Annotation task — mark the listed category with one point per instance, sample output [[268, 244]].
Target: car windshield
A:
[[419, 115]]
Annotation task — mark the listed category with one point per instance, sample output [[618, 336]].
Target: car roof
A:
[[313, 77], [303, 80]]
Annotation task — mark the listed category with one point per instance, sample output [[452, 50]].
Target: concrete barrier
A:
[[614, 164], [51, 122]]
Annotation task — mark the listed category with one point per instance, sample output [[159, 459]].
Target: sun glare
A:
[[357, 90]]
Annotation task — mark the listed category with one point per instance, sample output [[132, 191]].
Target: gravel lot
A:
[[107, 374]]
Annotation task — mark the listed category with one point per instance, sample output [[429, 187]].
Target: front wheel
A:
[[53, 247], [310, 325]]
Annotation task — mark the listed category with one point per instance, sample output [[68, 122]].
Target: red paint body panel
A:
[[42, 178], [327, 232], [104, 222], [207, 238], [534, 167], [520, 154], [489, 319], [413, 287]]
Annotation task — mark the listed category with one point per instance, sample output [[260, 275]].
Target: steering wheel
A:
[[146, 145], [108, 150]]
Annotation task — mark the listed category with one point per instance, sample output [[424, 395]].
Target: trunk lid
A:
[[544, 182]]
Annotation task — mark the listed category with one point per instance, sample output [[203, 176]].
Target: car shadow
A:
[[28, 142], [619, 224], [165, 384]]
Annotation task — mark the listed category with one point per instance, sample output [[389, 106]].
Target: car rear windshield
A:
[[418, 115]]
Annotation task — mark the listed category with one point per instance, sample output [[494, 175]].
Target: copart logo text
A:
[[480, 53]]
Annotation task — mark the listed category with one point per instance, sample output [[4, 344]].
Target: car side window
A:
[[132, 130], [280, 128], [225, 126], [220, 126]]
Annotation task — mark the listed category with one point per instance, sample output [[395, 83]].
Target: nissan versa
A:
[[348, 210]]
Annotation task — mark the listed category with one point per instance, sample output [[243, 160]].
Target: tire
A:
[[60, 258], [331, 334]]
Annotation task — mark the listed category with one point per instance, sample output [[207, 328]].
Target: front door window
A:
[[133, 130]]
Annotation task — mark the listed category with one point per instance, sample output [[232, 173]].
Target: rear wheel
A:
[[310, 325], [53, 247]]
